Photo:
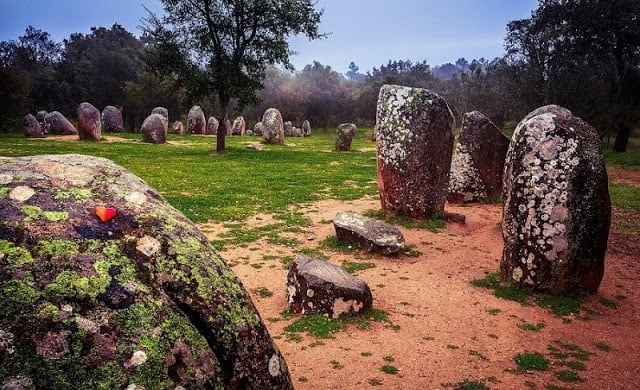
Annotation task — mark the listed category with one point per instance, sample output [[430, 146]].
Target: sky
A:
[[367, 32]]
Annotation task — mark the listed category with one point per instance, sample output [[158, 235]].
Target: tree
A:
[[584, 54], [228, 44]]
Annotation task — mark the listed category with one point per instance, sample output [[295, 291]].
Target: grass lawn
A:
[[243, 181]]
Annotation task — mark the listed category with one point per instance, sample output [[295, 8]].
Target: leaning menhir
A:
[[478, 161], [556, 204], [414, 132], [139, 301]]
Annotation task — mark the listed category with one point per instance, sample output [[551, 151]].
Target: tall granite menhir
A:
[[478, 161], [414, 132], [556, 204], [141, 301]]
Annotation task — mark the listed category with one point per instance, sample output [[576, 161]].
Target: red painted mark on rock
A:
[[106, 213]]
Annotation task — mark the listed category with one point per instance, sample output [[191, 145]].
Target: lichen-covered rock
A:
[[196, 121], [288, 129], [368, 233], [556, 204], [315, 286], [162, 111], [89, 124], [414, 133], [478, 161], [272, 127], [59, 125], [112, 119], [238, 127], [306, 128], [212, 126], [154, 129], [140, 301], [178, 127], [345, 133], [32, 127], [258, 129]]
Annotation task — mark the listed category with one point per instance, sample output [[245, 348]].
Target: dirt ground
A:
[[443, 329]]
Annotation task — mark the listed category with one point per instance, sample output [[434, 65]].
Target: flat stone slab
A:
[[315, 286], [368, 233]]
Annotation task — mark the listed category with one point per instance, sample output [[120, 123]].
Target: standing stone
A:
[[306, 128], [59, 125], [238, 127], [196, 122], [229, 127], [154, 129], [178, 127], [315, 286], [288, 129], [212, 126], [478, 161], [141, 301], [273, 127], [112, 119], [258, 129], [32, 128], [162, 111], [414, 132], [556, 204], [89, 126], [345, 133], [40, 115]]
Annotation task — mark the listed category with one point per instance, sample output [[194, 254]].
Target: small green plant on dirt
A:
[[323, 327], [560, 305], [575, 365], [334, 244], [478, 354], [568, 376], [389, 369], [365, 354], [374, 382], [354, 266], [303, 379], [262, 292], [452, 346], [512, 293], [388, 359], [494, 311], [336, 365], [286, 261], [554, 387], [602, 346], [491, 280], [531, 361], [433, 224], [531, 327], [411, 251], [470, 385]]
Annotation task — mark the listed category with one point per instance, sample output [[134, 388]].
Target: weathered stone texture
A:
[[141, 301], [316, 286], [154, 129], [368, 233], [345, 133], [162, 111], [258, 129], [178, 127], [478, 161], [59, 125], [32, 127], [306, 128], [40, 116], [556, 204], [238, 127], [212, 126], [273, 127], [112, 119], [196, 121], [89, 123], [414, 133]]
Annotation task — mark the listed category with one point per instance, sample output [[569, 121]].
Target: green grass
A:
[[389, 369], [532, 327], [433, 224], [333, 243], [323, 327], [560, 305], [625, 196], [233, 186], [532, 361], [354, 266], [491, 280], [628, 160], [568, 376], [262, 292]]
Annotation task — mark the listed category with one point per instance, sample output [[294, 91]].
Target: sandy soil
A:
[[449, 330]]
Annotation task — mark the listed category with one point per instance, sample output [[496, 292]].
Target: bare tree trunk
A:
[[222, 129], [622, 139]]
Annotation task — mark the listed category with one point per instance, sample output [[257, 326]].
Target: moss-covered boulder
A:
[[141, 300]]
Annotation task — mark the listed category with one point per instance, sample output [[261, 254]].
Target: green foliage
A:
[[532, 327], [512, 293], [433, 224], [353, 266], [560, 305], [14, 256], [625, 196], [470, 385], [388, 369], [491, 280], [317, 325], [262, 292], [531, 361], [568, 376], [333, 243]]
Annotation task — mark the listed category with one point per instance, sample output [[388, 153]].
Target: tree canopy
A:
[[228, 44]]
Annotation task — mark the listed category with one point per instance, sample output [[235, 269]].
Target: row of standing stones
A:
[[155, 128], [144, 301]]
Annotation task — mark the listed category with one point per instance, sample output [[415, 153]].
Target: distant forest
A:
[[583, 55]]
